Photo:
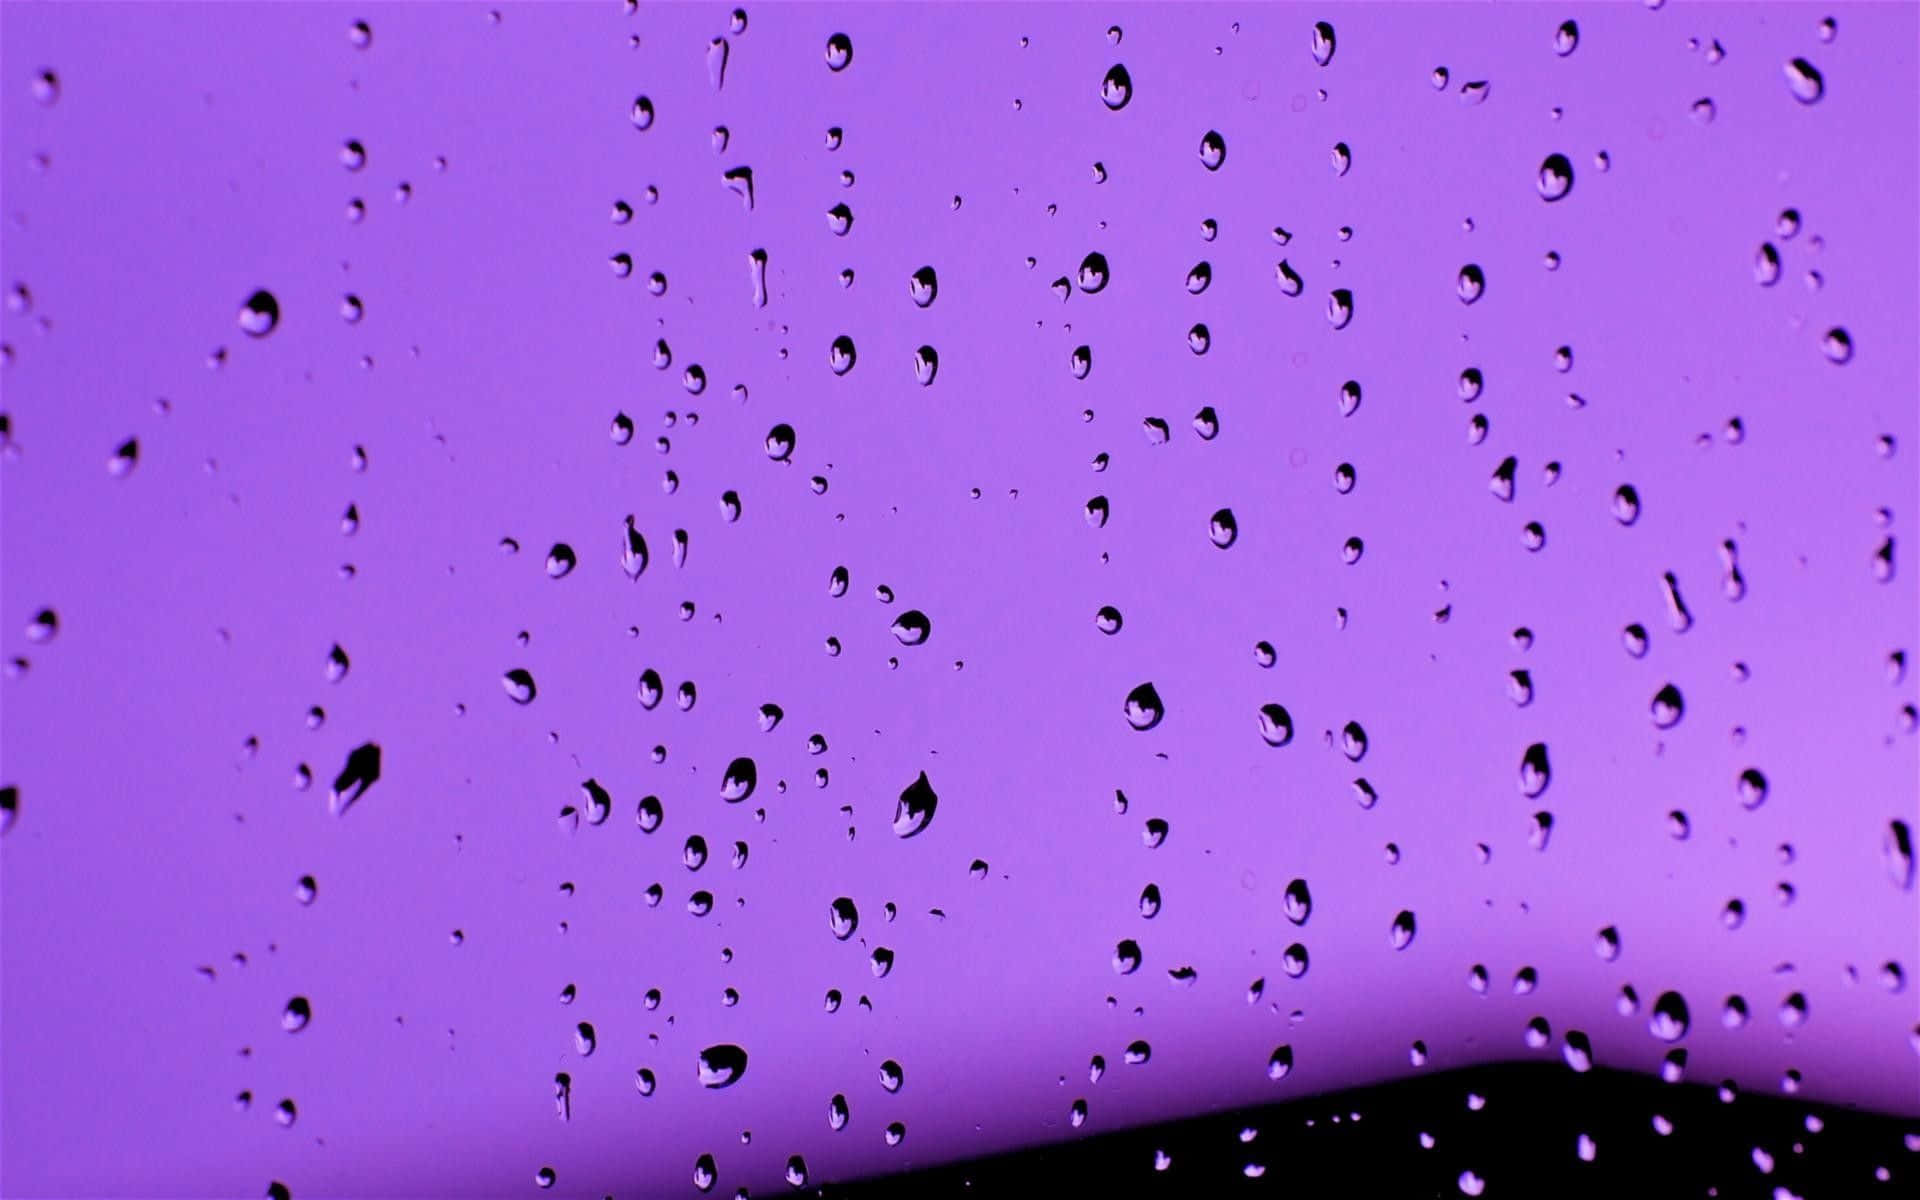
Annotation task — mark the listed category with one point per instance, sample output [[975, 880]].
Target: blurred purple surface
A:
[[190, 154]]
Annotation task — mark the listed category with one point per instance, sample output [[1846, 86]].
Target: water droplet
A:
[[1535, 772], [1093, 273], [1606, 944], [721, 1065], [360, 772], [561, 560], [1290, 282], [1896, 850], [1474, 92], [1500, 483], [1137, 1053], [1400, 933], [1470, 284], [1566, 38], [1280, 1063], [1222, 528], [1578, 1051], [915, 808], [1837, 345], [705, 1172], [780, 441], [839, 52], [1556, 178], [840, 355], [642, 113], [891, 1076], [1667, 707], [1143, 707], [1339, 308], [1751, 787], [1199, 278], [1804, 80], [1293, 960], [296, 1015], [1669, 1020], [738, 782], [260, 314], [1213, 150], [1126, 957], [912, 628], [1276, 724], [1116, 89]]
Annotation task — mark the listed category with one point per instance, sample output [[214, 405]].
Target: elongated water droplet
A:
[[914, 810], [1116, 89], [1804, 80]]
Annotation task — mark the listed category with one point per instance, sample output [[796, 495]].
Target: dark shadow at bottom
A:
[[1511, 1130]]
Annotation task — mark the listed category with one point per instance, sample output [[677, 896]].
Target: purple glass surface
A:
[[1398, 448]]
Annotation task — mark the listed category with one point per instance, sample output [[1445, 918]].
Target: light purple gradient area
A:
[[192, 155]]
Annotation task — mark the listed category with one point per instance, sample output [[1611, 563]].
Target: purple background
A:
[[192, 156]]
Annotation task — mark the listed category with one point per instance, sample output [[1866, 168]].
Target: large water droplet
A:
[[1400, 933], [1322, 43], [1896, 850], [1143, 707], [721, 1065], [1471, 283], [1566, 38], [1669, 1020], [1276, 724], [914, 810], [1093, 273], [1667, 707], [1837, 345], [1280, 1063], [296, 1015], [519, 685], [1804, 80], [1213, 150], [1339, 308], [1555, 179], [839, 52], [260, 314], [738, 782], [1535, 772], [1222, 528], [1117, 88], [912, 628]]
